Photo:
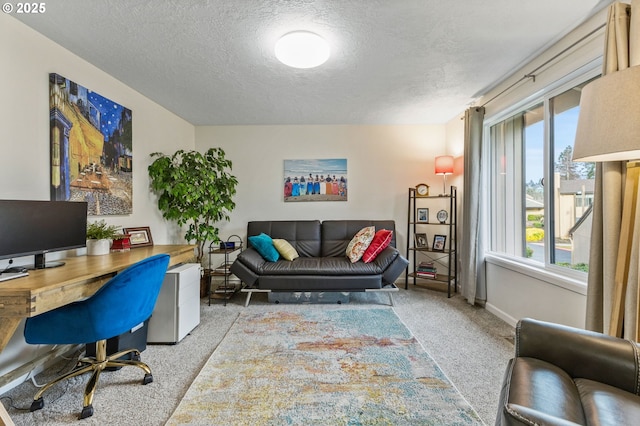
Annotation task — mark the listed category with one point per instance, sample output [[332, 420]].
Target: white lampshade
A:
[[302, 49], [609, 120]]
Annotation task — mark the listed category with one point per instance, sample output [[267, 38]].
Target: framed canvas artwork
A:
[[315, 180], [90, 148]]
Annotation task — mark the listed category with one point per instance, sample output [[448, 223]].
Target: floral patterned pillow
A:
[[359, 243]]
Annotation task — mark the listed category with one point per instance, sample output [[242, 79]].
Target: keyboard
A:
[[11, 275]]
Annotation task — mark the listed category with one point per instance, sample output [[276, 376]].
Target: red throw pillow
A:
[[381, 240]]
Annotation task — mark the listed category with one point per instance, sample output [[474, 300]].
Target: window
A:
[[541, 199]]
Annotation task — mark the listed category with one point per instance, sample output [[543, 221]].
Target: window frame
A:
[[563, 276]]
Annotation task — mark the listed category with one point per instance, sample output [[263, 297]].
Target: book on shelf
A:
[[225, 289], [426, 267], [428, 275]]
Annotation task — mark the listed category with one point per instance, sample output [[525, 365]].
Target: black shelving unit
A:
[[226, 290], [432, 226]]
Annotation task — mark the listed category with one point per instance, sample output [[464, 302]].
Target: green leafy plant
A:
[[99, 230], [528, 252], [195, 190], [578, 266]]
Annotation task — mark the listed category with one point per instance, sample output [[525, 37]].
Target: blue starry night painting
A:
[[91, 148]]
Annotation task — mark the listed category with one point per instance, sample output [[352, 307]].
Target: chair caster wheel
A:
[[37, 404], [136, 357], [148, 378], [86, 412]]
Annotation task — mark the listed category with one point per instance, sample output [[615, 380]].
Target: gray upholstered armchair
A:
[[565, 376]]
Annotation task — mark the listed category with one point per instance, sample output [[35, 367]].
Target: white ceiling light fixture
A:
[[302, 49]]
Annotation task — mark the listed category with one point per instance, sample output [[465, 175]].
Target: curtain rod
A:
[[531, 74]]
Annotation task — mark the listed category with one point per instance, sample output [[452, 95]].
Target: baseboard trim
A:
[[501, 314], [20, 374]]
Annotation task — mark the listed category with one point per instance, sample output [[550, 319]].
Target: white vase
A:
[[98, 247]]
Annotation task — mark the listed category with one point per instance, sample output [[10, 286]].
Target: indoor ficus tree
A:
[[196, 190]]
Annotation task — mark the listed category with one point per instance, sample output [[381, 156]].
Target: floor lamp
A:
[[444, 167], [609, 130]]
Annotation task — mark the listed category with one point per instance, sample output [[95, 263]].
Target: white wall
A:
[[515, 291], [27, 59], [382, 161]]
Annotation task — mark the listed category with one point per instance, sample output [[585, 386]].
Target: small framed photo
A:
[[420, 241], [439, 242], [422, 215], [140, 236]]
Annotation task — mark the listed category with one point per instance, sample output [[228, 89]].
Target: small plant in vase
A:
[[99, 237]]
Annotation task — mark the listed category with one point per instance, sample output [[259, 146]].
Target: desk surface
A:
[[47, 289]]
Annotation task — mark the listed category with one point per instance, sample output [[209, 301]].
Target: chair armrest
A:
[[581, 353]]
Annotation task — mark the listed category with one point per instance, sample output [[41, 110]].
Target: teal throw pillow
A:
[[264, 244]]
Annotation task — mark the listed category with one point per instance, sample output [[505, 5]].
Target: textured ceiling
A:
[[392, 62]]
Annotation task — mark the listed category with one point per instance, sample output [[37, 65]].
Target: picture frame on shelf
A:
[[442, 216], [422, 215], [439, 242], [420, 240], [139, 236]]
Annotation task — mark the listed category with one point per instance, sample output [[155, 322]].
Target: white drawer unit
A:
[[177, 310]]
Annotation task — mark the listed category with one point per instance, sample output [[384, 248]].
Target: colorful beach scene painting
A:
[[91, 148], [315, 180]]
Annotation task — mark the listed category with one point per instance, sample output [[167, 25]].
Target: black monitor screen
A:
[[38, 227]]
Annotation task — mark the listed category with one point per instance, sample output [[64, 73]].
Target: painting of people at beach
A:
[[315, 180]]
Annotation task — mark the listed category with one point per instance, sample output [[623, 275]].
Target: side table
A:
[[226, 289]]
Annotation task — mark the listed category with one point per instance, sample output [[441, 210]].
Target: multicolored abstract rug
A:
[[322, 367]]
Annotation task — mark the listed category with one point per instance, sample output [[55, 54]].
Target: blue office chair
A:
[[125, 301]]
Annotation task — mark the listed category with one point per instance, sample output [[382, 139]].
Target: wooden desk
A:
[[47, 289]]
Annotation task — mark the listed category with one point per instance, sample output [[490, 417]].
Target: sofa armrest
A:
[[386, 257], [581, 353], [252, 259], [391, 263]]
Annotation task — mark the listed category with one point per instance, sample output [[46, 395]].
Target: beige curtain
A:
[[622, 49], [473, 285]]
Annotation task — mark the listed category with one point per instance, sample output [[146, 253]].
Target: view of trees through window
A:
[[551, 193]]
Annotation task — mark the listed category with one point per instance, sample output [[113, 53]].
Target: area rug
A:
[[322, 367]]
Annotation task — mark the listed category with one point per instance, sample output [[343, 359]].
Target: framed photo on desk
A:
[[140, 236]]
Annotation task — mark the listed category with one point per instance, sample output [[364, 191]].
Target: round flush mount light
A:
[[302, 49]]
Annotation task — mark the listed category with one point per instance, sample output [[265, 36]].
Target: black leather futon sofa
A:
[[322, 265]]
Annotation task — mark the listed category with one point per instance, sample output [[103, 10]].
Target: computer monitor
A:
[[39, 227]]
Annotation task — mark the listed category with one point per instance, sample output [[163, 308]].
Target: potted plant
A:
[[196, 190], [99, 237]]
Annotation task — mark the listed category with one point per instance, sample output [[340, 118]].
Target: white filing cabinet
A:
[[177, 310]]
